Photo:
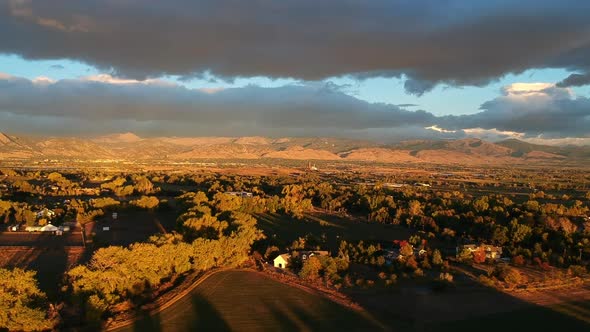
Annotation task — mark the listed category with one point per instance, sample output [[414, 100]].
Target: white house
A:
[[282, 261], [49, 228]]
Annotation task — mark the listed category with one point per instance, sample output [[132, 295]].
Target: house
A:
[[49, 228], [282, 261], [492, 252], [45, 213]]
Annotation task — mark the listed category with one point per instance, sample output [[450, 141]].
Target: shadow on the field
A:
[[461, 309], [325, 317], [147, 323], [206, 317], [50, 264]]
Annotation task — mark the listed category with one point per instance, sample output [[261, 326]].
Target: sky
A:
[[382, 69]]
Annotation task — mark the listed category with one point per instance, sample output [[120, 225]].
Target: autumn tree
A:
[[437, 258], [479, 256]]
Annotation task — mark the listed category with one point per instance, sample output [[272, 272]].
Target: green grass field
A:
[[249, 301]]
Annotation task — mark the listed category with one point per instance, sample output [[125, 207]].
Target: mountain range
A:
[[130, 147]]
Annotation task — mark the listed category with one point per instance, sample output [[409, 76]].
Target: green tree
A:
[[519, 232], [207, 226], [415, 208], [144, 186], [23, 307], [146, 202], [311, 269]]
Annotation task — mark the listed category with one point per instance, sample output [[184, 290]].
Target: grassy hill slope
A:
[[249, 301]]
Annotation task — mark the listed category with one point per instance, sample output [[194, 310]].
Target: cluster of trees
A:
[[23, 307], [16, 212], [323, 268], [122, 186], [545, 226], [212, 234]]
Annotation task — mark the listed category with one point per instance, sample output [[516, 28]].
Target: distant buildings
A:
[[491, 252], [239, 193], [284, 260]]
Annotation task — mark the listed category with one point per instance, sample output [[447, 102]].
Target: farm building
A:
[[49, 228], [282, 261], [46, 228]]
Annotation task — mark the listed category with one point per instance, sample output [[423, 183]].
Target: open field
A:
[[49, 262], [335, 229], [250, 301], [130, 227], [461, 309]]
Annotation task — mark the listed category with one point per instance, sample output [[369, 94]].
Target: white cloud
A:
[[559, 141], [440, 130], [492, 134], [211, 90], [43, 80], [526, 89], [109, 79]]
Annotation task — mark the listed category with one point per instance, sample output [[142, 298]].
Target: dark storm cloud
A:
[[314, 110], [102, 104], [453, 42], [575, 80], [551, 112]]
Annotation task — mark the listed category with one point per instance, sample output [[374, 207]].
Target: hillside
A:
[[130, 147]]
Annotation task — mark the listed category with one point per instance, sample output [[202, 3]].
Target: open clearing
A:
[[250, 301], [333, 227]]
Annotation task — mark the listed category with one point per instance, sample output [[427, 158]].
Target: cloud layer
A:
[[102, 104], [431, 41]]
